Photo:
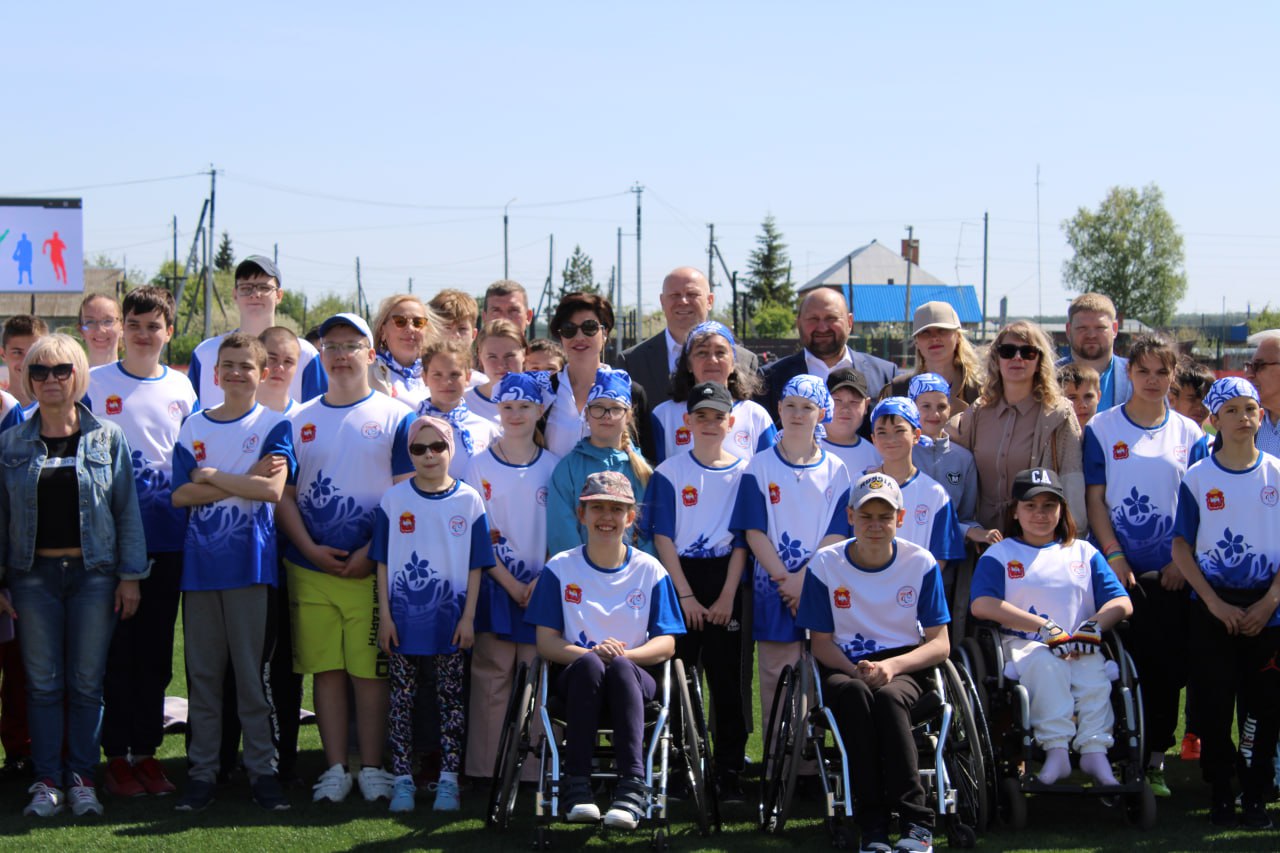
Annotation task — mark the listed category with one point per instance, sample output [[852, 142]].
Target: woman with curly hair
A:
[[1024, 422]]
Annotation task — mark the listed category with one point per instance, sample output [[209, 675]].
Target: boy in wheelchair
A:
[[865, 602], [1037, 579], [604, 612]]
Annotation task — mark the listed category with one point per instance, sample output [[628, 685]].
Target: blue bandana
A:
[[454, 416], [815, 391], [1228, 388], [410, 373], [900, 406], [611, 385], [926, 382], [531, 387], [709, 327]]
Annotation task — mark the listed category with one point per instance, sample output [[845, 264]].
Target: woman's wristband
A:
[[1118, 555], [1112, 548]]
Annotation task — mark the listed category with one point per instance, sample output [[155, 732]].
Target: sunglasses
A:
[[40, 372], [401, 321], [436, 447], [1026, 351], [588, 328]]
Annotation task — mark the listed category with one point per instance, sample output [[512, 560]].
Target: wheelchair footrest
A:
[[1034, 787]]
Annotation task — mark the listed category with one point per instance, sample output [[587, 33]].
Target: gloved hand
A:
[[1052, 635], [1086, 639]]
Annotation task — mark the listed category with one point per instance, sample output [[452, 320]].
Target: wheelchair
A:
[[1006, 704], [950, 736], [675, 739]]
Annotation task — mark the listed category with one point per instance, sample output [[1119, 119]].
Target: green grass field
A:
[[233, 823]]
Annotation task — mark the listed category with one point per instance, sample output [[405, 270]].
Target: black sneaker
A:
[[1222, 813], [197, 796], [579, 800], [1254, 815], [629, 800], [730, 787], [266, 792]]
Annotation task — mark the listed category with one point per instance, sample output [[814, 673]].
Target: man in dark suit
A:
[[686, 302], [824, 323]]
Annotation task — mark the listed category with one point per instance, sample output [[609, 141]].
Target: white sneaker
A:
[[46, 801], [333, 785], [84, 798], [376, 784]]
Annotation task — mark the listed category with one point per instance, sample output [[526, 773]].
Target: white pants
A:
[[1060, 688]]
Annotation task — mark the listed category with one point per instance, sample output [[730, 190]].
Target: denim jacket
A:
[[110, 522]]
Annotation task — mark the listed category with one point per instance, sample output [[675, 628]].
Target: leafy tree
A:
[[1130, 250], [577, 275], [1267, 318], [225, 259], [769, 268], [772, 320]]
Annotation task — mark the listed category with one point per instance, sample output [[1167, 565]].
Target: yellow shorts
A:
[[334, 623]]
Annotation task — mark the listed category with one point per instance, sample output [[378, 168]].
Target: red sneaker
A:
[[121, 781], [151, 774], [1190, 747]]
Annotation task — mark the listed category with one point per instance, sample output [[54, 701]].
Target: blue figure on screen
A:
[[55, 247], [22, 254]]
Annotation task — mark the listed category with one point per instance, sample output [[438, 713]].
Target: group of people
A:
[[406, 508]]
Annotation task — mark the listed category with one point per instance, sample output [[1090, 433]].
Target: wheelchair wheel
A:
[[696, 749], [965, 761], [1140, 808], [513, 747], [986, 746], [783, 743], [1013, 803]]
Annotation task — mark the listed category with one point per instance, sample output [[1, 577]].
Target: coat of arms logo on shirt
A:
[[114, 405], [198, 447], [775, 493], [308, 433], [689, 495], [487, 487], [407, 524], [1120, 450], [1015, 570], [1214, 499], [573, 594], [682, 435], [842, 598]]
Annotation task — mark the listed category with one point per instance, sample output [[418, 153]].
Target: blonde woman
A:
[[942, 349], [402, 330], [1020, 421]]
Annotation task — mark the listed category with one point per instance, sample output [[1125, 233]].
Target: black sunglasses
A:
[[436, 447], [588, 328], [1027, 351], [40, 372]]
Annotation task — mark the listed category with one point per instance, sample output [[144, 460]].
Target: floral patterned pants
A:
[[453, 724]]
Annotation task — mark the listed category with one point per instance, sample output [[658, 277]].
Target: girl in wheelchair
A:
[[866, 601], [604, 611], [1037, 579]]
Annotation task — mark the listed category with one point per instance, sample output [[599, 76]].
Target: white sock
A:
[[1097, 766], [449, 777], [1057, 765]]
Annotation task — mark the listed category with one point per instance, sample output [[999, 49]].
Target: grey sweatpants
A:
[[236, 628]]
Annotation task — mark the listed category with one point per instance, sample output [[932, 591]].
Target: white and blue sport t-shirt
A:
[[231, 543], [752, 430], [149, 411], [347, 458], [481, 405], [430, 543], [1142, 469], [481, 432], [308, 383], [691, 504], [796, 506], [1232, 523], [873, 610], [15, 413], [515, 499], [1065, 583], [930, 520], [588, 604], [859, 457]]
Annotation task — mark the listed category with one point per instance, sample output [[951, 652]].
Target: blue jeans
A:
[[66, 617]]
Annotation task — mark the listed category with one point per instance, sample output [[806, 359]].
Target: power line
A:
[[113, 184]]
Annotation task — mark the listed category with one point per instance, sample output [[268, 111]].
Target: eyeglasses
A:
[[40, 372], [350, 348], [436, 447], [601, 413], [588, 328], [401, 321], [255, 289], [106, 324], [1255, 366], [1026, 351]]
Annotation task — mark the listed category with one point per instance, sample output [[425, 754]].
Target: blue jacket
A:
[[563, 530], [110, 523]]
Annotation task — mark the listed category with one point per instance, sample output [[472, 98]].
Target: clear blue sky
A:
[[847, 121]]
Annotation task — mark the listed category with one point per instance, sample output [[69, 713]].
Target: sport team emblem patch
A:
[[682, 435], [742, 438], [573, 594], [907, 596], [922, 514], [1180, 453], [175, 410], [487, 488], [689, 496], [198, 447], [1078, 568], [114, 405], [842, 599], [308, 433], [542, 496], [1120, 450], [1215, 499], [457, 525], [371, 430], [1015, 570], [636, 599], [250, 444], [953, 477], [775, 493], [406, 522], [1269, 496]]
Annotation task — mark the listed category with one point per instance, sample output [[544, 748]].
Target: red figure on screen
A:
[[54, 248]]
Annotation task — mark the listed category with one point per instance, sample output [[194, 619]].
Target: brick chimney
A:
[[911, 251]]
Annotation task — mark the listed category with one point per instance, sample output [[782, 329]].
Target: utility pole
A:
[[411, 284], [359, 287], [638, 190], [275, 254], [617, 306], [906, 310], [1039, 283], [208, 267], [986, 222], [504, 238], [173, 283], [711, 257]]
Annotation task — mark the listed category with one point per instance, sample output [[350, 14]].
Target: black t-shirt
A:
[[58, 495]]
